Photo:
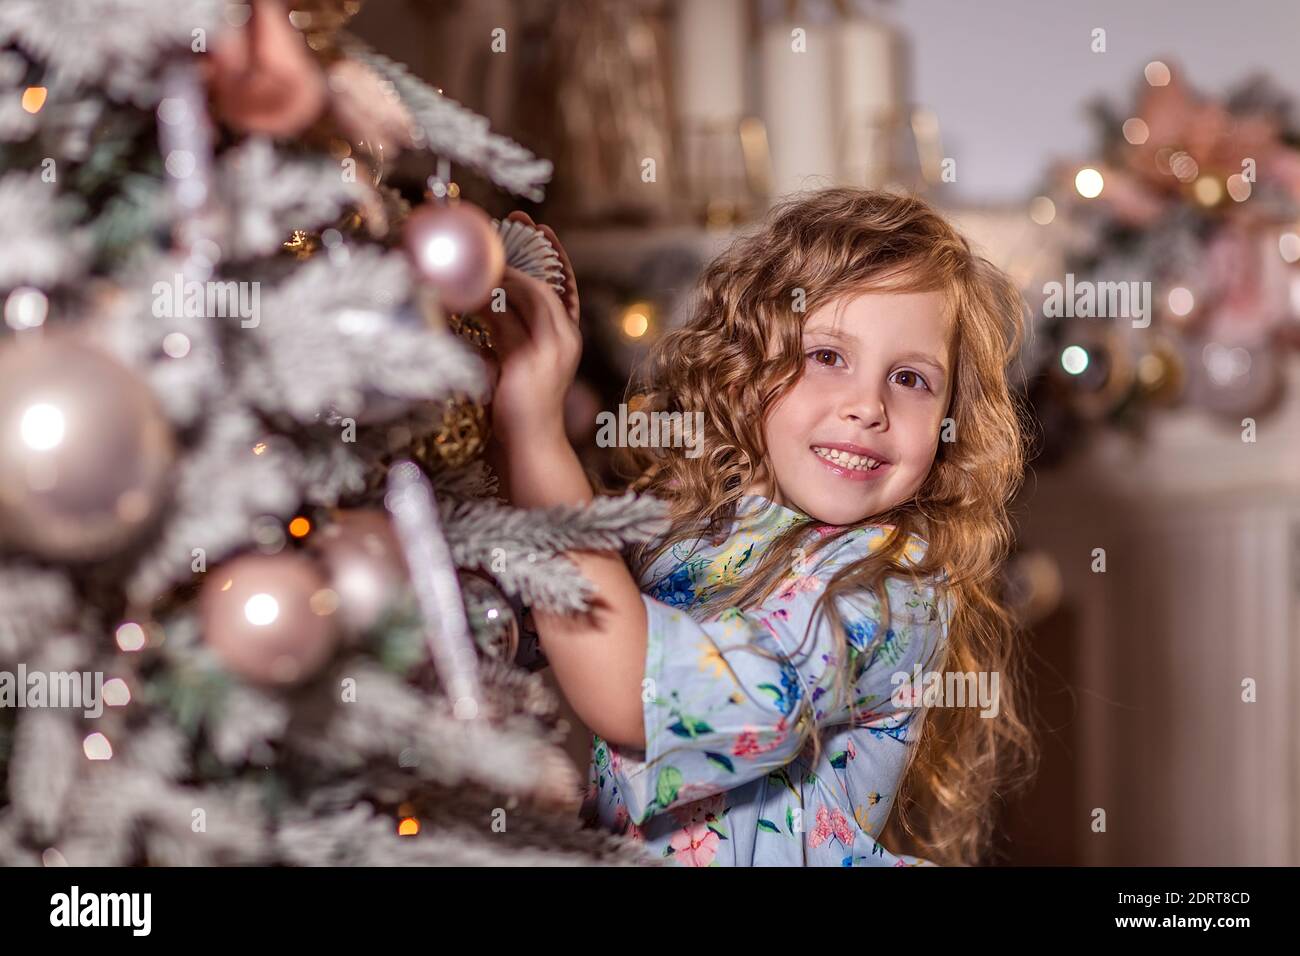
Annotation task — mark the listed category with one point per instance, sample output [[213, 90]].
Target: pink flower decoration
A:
[[831, 823], [747, 744], [695, 845]]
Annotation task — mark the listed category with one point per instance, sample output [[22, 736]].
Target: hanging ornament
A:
[[84, 451], [528, 250], [410, 500], [456, 249], [1235, 380], [460, 438], [491, 618], [262, 76], [363, 561], [269, 618]]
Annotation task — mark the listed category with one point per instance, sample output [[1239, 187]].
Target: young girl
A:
[[751, 681]]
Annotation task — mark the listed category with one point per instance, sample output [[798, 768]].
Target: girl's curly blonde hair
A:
[[819, 248]]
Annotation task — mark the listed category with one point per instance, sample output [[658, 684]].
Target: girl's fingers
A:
[[570, 277], [509, 331], [538, 312]]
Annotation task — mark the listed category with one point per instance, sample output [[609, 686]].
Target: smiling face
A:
[[857, 433]]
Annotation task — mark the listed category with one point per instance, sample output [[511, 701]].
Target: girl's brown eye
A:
[[817, 355], [910, 379]]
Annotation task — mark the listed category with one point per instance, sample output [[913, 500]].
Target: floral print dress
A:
[[723, 779]]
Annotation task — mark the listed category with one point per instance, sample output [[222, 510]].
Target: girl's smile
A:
[[852, 461]]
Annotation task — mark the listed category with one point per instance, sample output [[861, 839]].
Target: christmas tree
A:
[[259, 601]]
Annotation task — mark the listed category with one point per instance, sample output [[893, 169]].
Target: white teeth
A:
[[855, 462]]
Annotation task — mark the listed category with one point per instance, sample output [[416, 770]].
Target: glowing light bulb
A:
[[1089, 183], [1074, 359], [130, 637], [97, 747], [34, 98], [1157, 73], [1181, 301], [1136, 131]]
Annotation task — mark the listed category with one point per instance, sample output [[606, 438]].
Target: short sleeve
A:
[[734, 695]]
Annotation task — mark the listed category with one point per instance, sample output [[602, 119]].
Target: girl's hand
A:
[[538, 345]]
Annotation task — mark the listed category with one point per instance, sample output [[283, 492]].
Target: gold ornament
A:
[[472, 329], [302, 244], [460, 438]]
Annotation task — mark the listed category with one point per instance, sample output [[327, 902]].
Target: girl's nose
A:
[[866, 407]]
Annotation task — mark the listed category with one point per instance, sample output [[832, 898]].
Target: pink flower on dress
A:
[[831, 823], [747, 744], [695, 845]]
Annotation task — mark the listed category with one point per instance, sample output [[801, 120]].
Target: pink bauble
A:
[[85, 451], [456, 250], [363, 561], [269, 618]]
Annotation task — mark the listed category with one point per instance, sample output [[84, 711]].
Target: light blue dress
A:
[[723, 780]]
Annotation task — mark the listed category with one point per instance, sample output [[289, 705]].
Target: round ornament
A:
[[269, 618], [85, 451]]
